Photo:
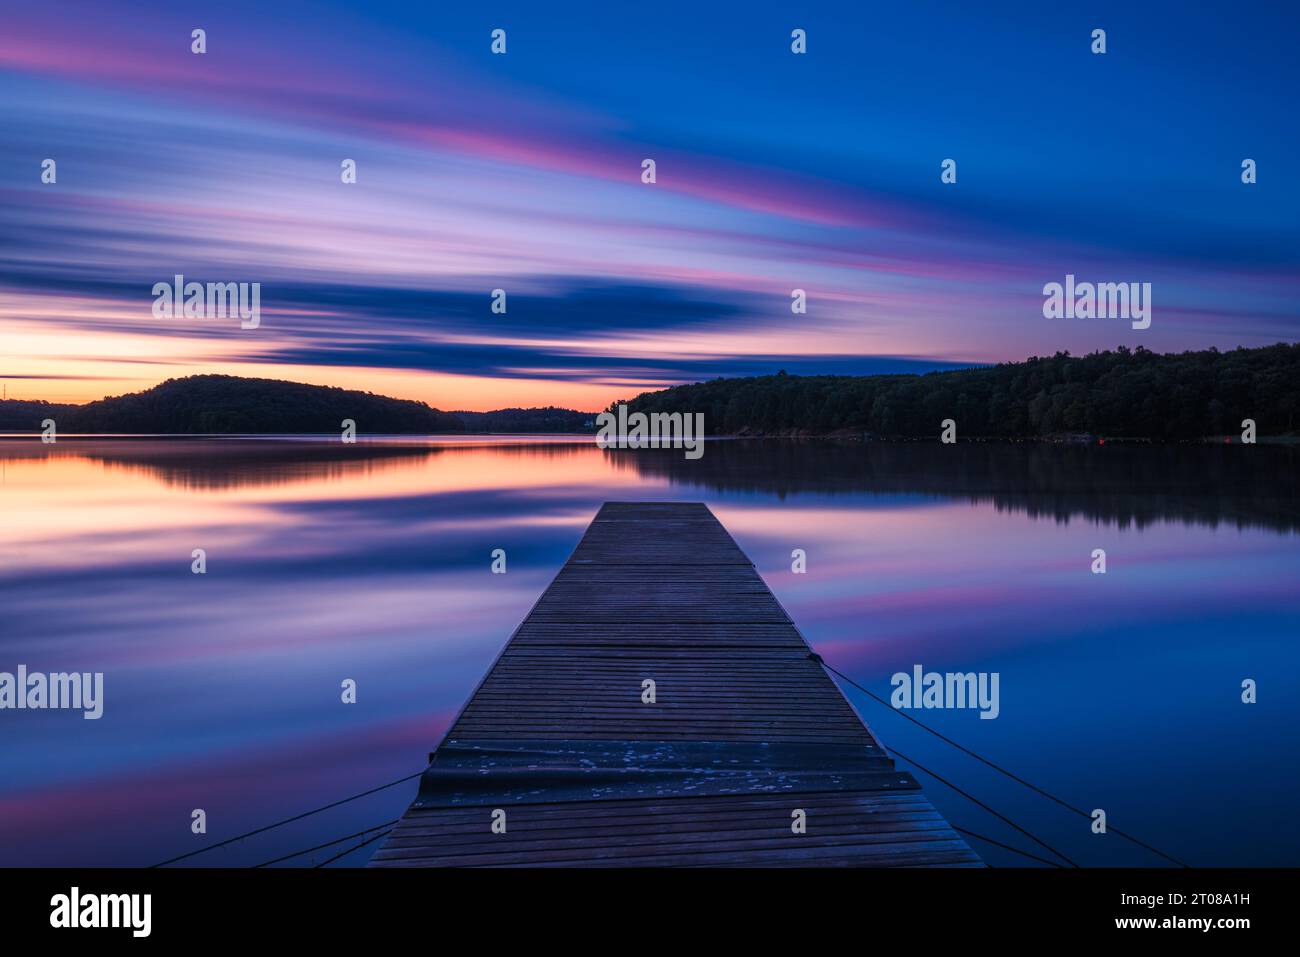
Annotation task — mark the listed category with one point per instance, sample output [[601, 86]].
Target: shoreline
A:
[[576, 437]]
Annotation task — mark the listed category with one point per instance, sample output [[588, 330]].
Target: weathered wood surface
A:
[[745, 729]]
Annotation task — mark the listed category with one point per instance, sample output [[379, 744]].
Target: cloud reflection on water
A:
[[371, 562]]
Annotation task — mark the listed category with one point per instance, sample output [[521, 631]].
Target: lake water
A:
[[372, 562]]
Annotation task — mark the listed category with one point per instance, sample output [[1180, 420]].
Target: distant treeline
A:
[[549, 419], [26, 415], [1125, 393], [220, 403]]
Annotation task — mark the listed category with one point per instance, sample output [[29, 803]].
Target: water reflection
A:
[[371, 562], [1125, 484], [239, 463], [1120, 483]]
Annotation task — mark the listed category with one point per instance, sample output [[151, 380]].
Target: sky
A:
[[774, 172]]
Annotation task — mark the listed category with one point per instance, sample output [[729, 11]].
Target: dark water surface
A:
[[222, 691]]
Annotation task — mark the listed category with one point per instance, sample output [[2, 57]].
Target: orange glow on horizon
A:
[[440, 390], [45, 360]]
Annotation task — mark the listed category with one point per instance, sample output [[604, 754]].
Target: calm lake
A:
[[372, 562]]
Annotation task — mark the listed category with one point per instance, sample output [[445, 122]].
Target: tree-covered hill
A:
[[26, 415], [549, 419], [221, 403], [1138, 394]]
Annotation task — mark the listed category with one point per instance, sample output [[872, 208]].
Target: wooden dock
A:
[[557, 746]]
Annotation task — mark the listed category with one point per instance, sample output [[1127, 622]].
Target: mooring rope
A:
[[996, 767], [1005, 847], [289, 820], [319, 847]]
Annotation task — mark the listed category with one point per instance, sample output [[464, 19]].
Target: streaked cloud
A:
[[522, 172]]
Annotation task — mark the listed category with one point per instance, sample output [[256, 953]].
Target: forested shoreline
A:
[[1123, 393]]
